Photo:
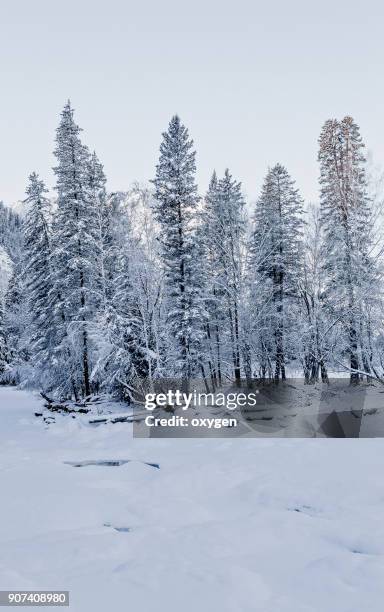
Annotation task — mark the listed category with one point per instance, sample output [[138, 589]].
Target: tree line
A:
[[110, 291]]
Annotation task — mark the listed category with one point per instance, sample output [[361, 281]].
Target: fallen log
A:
[[55, 406], [129, 418]]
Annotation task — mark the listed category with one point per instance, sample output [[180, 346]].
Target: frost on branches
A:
[[106, 292]]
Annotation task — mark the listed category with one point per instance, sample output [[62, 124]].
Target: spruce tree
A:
[[98, 199], [275, 267], [224, 225], [75, 257], [175, 208], [232, 223], [37, 274], [214, 298]]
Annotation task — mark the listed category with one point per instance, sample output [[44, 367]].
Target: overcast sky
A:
[[253, 81]]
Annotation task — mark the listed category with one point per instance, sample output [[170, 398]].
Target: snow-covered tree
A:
[[316, 331], [175, 209], [101, 204], [16, 322], [113, 291], [223, 237], [11, 291], [275, 268], [37, 274], [11, 235], [123, 354], [75, 245], [349, 273], [214, 296]]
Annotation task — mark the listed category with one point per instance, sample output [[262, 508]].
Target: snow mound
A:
[[236, 525]]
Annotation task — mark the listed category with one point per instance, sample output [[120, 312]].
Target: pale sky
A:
[[253, 81]]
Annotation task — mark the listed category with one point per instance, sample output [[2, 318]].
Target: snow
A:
[[235, 525]]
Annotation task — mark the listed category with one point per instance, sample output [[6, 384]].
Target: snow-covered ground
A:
[[223, 525]]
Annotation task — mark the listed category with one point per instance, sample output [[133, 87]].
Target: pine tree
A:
[[75, 258], [346, 221], [37, 274], [230, 249], [175, 208], [224, 225], [98, 199], [214, 298], [275, 268]]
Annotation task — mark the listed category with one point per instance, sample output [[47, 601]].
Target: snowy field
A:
[[222, 525]]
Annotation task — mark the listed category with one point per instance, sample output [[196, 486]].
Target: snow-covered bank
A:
[[230, 525]]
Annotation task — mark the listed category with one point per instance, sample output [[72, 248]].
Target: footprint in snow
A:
[[108, 463], [120, 529]]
